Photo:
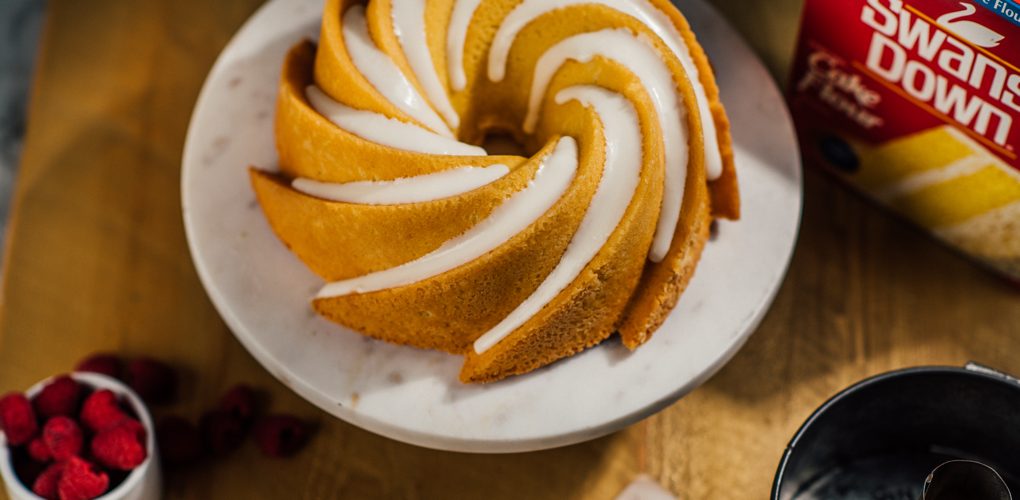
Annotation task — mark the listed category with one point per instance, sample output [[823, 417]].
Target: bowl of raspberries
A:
[[78, 437]]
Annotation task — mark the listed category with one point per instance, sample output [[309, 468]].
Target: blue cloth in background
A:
[[20, 22]]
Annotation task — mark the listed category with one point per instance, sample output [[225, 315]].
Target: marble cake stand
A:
[[263, 292]]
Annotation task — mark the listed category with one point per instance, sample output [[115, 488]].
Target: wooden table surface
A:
[[96, 260]]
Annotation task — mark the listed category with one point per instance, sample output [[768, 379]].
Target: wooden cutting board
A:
[[96, 260]]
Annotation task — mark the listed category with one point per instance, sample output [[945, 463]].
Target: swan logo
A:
[[969, 30]]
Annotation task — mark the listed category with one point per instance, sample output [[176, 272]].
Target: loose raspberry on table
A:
[[154, 381], [221, 431], [38, 450], [62, 437], [17, 419], [45, 485], [104, 363], [81, 480], [101, 410], [240, 402], [179, 440], [281, 435], [121, 447], [59, 397]]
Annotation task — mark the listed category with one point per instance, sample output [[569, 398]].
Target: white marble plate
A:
[[263, 292]]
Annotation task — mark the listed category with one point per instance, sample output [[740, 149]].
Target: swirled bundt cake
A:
[[424, 239]]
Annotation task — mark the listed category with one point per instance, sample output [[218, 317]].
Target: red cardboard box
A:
[[917, 103]]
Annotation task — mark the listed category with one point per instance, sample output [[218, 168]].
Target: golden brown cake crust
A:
[[724, 190], [586, 312], [662, 283]]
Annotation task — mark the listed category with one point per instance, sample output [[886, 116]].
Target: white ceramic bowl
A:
[[263, 291], [143, 483]]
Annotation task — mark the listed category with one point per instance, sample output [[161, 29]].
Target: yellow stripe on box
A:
[[931, 149], [961, 198]]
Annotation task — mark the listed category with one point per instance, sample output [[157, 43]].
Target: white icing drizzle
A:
[[642, 10], [456, 34], [409, 25], [386, 131], [616, 188], [427, 187], [554, 175], [640, 56], [383, 74]]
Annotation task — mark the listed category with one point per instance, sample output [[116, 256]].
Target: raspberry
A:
[[281, 435], [154, 381], [60, 397], [136, 427], [17, 419], [38, 450], [119, 447], [81, 480], [107, 364], [63, 438], [221, 432], [179, 440], [102, 411], [240, 403], [45, 485]]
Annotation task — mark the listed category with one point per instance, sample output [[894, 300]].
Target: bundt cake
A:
[[385, 191]]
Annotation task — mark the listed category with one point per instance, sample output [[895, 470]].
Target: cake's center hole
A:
[[502, 143]]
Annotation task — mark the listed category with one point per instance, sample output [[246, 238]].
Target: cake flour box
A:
[[917, 103]]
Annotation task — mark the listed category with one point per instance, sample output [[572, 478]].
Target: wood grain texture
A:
[[96, 260]]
